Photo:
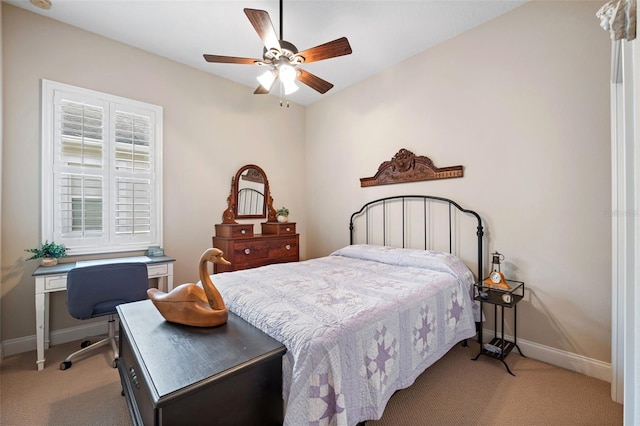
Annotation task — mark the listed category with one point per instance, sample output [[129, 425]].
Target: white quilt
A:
[[358, 324]]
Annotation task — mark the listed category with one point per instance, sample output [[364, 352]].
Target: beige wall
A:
[[1, 143], [523, 103], [211, 128]]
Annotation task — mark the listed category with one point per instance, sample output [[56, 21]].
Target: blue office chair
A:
[[95, 291]]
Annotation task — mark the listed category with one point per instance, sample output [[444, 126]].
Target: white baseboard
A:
[[28, 343], [570, 361]]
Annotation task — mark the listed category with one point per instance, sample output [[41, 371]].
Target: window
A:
[[101, 170]]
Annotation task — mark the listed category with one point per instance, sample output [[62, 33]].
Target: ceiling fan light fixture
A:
[[287, 73], [267, 79], [289, 87]]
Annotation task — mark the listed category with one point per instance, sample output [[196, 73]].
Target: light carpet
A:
[[454, 391]]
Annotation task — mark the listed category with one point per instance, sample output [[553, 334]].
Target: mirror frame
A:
[[231, 213]]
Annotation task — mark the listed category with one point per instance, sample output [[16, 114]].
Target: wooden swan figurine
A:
[[191, 304]]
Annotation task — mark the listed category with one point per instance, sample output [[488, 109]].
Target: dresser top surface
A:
[[176, 356], [258, 236]]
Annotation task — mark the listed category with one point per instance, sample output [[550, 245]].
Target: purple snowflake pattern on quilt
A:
[[422, 331], [456, 309], [385, 350], [328, 395]]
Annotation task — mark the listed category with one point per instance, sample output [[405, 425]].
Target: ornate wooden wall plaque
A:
[[405, 166]]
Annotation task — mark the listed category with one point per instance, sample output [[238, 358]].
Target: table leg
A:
[[47, 329], [40, 329], [169, 277]]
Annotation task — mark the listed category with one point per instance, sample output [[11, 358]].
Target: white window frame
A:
[[51, 173]]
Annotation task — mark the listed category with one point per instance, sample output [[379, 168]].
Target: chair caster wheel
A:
[[65, 365], [121, 392], [85, 343]]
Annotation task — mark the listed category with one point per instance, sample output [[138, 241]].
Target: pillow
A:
[[428, 259]]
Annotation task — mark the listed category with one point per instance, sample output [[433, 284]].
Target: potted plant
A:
[[49, 252], [282, 214]]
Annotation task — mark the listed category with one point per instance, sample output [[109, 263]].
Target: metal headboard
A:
[[426, 199]]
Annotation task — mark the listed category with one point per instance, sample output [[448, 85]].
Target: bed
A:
[[369, 318]]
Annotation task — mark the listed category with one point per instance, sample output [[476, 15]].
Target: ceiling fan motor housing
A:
[[288, 50]]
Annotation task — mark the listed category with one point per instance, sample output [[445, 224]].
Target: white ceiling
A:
[[381, 33]]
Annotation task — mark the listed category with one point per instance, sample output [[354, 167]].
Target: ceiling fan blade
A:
[[230, 59], [260, 90], [332, 49], [313, 81], [262, 24]]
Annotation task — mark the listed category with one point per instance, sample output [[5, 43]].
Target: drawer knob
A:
[[288, 246], [243, 231], [288, 229], [247, 251]]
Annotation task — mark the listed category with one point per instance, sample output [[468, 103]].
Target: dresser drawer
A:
[[276, 228], [234, 230], [249, 250], [285, 248]]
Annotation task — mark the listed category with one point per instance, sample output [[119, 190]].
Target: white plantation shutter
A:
[[104, 155], [80, 170], [132, 190], [132, 207], [81, 204]]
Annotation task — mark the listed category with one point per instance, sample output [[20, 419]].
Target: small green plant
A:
[[48, 249], [282, 212]]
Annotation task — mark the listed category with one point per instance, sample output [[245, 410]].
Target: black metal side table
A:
[[498, 348]]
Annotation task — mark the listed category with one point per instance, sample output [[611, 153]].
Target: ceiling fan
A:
[[282, 57]]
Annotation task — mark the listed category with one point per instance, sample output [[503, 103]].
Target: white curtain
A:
[[619, 18]]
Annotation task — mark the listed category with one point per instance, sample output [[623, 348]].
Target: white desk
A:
[[54, 278]]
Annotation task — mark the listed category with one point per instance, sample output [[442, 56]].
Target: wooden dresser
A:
[[173, 374], [278, 243]]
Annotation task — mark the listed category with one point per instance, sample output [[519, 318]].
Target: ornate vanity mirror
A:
[[249, 197]]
